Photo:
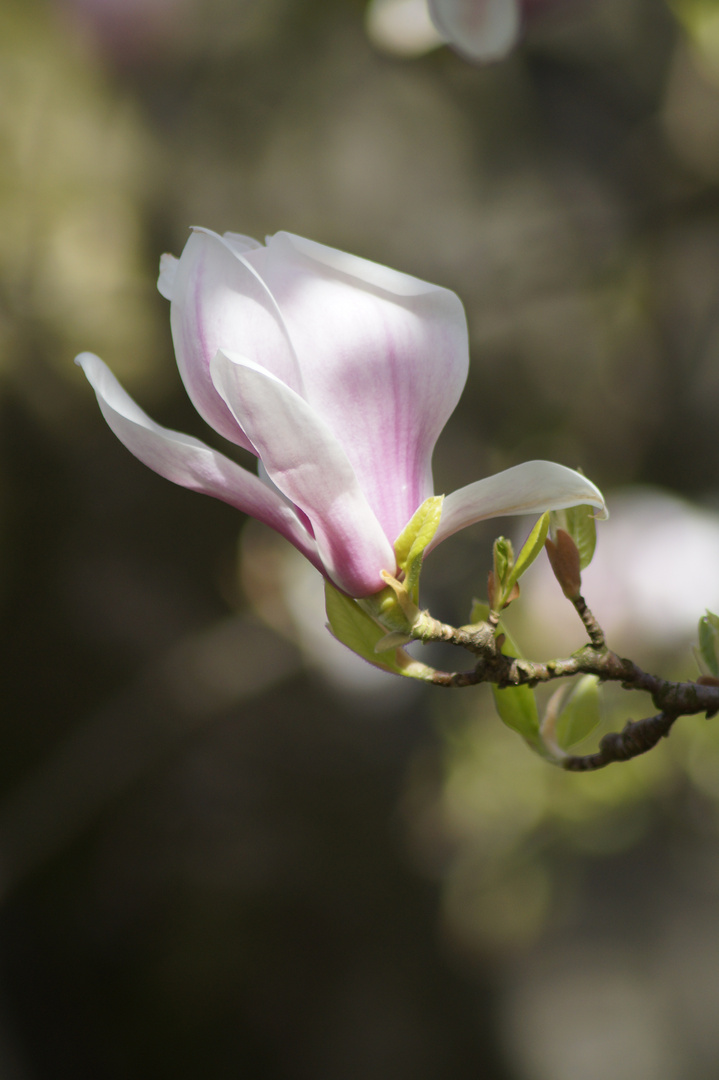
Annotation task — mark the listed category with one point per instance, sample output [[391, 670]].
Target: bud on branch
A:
[[563, 556]]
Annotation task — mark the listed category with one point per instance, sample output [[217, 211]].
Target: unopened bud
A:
[[564, 559]]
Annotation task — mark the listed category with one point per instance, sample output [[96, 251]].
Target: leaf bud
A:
[[564, 559]]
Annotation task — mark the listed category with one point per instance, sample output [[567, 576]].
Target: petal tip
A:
[[86, 359], [166, 279]]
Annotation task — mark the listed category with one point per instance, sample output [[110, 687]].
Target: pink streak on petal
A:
[[308, 465], [383, 357], [220, 302]]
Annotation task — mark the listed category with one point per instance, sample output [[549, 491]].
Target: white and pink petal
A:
[[190, 463], [384, 358], [308, 465], [220, 302], [530, 488]]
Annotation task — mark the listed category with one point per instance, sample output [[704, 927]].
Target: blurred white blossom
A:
[[655, 571]]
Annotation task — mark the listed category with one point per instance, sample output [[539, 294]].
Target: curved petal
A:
[[479, 29], [189, 462], [383, 358], [308, 465], [240, 243], [530, 488], [166, 278], [220, 302], [284, 245]]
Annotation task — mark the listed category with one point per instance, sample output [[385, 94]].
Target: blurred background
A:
[[226, 850]]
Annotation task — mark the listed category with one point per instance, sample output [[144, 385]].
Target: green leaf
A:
[[360, 633], [419, 530], [708, 641], [580, 714], [580, 523], [517, 705], [517, 708], [503, 562], [357, 630], [410, 544], [531, 549]]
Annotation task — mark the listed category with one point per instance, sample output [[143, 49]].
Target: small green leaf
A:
[[580, 523], [516, 705], [421, 527], [531, 548], [708, 641], [410, 544], [357, 630], [360, 633], [517, 709], [503, 562], [580, 714]]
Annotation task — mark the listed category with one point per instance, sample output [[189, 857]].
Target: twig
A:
[[672, 699], [636, 738]]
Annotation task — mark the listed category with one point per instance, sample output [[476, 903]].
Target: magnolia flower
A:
[[338, 375]]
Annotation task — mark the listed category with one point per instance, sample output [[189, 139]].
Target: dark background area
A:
[[225, 852]]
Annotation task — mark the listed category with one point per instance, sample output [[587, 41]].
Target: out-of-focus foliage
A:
[[708, 635], [579, 713], [74, 172]]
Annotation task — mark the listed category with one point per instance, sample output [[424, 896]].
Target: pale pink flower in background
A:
[[481, 30], [338, 374], [486, 29], [653, 575]]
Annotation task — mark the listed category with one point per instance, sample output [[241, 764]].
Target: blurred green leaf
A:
[[580, 714], [708, 640], [517, 708], [516, 705]]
